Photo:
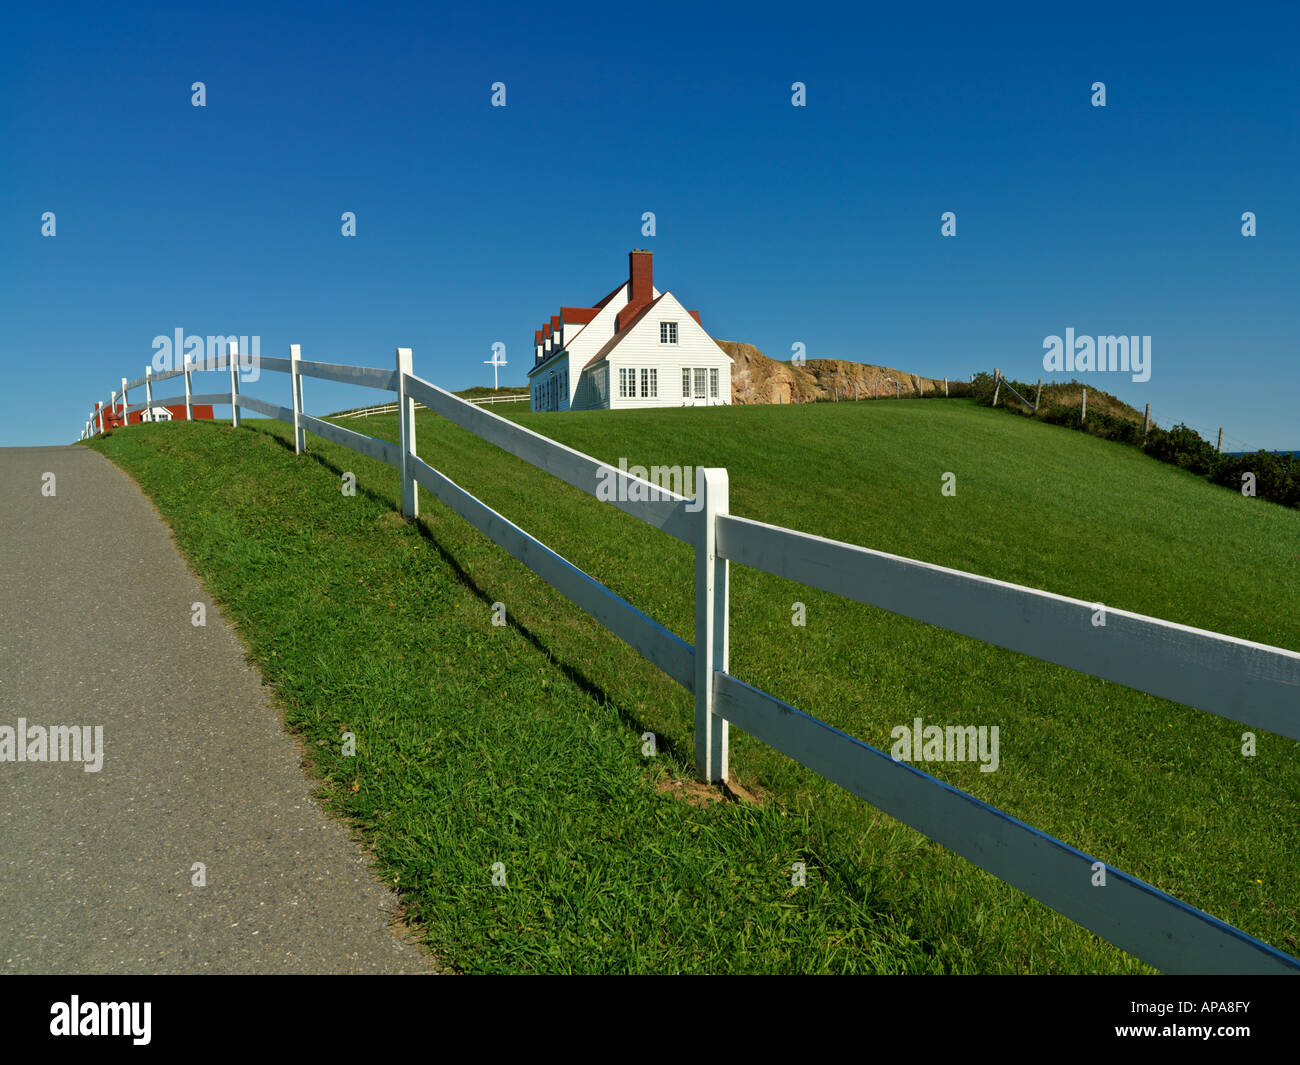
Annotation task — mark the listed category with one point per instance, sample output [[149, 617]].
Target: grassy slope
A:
[[521, 744]]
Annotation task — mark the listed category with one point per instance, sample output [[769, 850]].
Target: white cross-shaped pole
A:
[[496, 367]]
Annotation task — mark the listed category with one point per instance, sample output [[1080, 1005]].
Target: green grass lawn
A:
[[523, 744]]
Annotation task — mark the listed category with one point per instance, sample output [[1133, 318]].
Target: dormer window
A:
[[667, 332]]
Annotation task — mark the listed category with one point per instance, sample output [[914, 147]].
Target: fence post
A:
[[99, 412], [877, 395], [1146, 420], [711, 611], [1083, 417], [124, 414], [189, 408], [148, 392], [295, 387], [406, 422], [997, 384], [232, 354], [945, 388], [1219, 446]]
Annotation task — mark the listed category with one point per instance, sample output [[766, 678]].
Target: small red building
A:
[[113, 417]]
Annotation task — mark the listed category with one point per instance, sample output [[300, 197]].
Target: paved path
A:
[[95, 868]]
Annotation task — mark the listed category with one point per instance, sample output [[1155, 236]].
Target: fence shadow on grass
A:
[[683, 760]]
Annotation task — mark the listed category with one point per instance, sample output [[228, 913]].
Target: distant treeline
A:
[[1276, 473]]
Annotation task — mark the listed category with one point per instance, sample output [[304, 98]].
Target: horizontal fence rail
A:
[[350, 375], [209, 398], [383, 450], [284, 414], [1131, 914], [1243, 681], [365, 412], [487, 401], [388, 408], [642, 633], [656, 506]]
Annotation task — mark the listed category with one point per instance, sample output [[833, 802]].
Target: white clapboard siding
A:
[[642, 348], [643, 634], [1146, 922], [1243, 681], [659, 507]]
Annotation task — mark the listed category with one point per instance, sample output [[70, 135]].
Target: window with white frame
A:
[[650, 384], [626, 382], [713, 383], [686, 383], [667, 332], [700, 383]]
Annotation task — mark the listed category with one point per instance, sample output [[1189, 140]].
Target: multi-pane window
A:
[[667, 332], [713, 383], [627, 383], [686, 383], [700, 378]]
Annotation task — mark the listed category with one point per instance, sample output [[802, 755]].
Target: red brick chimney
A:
[[640, 275], [641, 272]]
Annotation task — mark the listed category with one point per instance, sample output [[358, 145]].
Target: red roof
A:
[[579, 315], [537, 337], [547, 329], [629, 314], [616, 291], [609, 344]]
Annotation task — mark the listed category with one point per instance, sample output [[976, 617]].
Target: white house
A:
[[638, 347]]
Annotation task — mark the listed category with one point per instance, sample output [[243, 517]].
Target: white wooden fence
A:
[[388, 408], [1247, 682]]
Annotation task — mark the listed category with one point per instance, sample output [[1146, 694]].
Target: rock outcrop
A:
[[757, 379]]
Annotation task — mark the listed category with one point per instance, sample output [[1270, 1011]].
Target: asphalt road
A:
[[96, 868]]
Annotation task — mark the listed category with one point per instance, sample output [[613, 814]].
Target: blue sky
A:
[[818, 225]]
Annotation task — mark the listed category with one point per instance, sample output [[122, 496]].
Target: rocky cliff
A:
[[757, 379]]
